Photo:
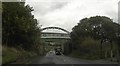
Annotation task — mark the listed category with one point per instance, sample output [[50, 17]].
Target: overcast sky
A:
[[67, 13]]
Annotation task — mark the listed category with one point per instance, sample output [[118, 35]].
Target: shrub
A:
[[90, 47]]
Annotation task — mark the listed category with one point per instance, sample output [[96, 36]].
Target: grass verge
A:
[[79, 55], [13, 55]]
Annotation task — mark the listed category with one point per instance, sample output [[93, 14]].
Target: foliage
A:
[[19, 27], [88, 34], [11, 54], [89, 43], [98, 27]]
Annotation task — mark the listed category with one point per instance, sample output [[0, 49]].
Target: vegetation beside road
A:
[[19, 55], [97, 37], [13, 55], [89, 49], [20, 33]]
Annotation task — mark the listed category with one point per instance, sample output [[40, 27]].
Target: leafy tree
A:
[[97, 27], [19, 27]]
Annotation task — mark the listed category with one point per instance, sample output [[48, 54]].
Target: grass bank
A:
[[15, 55], [77, 54]]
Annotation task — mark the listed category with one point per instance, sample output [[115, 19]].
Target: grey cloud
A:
[[66, 14], [58, 5], [43, 8]]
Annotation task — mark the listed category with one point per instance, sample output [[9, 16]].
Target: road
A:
[[51, 58]]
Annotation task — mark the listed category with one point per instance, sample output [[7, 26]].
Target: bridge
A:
[[54, 35], [55, 39]]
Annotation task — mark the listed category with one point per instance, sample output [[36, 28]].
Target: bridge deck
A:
[[54, 35]]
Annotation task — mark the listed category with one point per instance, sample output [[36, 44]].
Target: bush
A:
[[90, 43], [90, 48]]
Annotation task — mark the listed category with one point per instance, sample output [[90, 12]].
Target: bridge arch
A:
[[55, 28]]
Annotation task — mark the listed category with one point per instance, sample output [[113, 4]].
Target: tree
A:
[[97, 27], [20, 28]]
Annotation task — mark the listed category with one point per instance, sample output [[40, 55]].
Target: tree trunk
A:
[[111, 54]]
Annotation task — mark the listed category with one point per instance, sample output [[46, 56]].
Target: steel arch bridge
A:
[[49, 38]]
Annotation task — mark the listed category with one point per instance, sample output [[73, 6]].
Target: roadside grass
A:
[[9, 54], [89, 49], [13, 55], [79, 55], [20, 56]]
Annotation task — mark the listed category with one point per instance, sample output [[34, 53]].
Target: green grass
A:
[[10, 55], [78, 54], [89, 49]]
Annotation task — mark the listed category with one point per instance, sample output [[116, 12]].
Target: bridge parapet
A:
[[55, 35]]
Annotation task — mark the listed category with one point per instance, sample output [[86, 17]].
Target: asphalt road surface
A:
[[51, 58]]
